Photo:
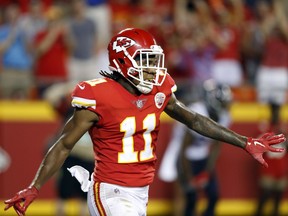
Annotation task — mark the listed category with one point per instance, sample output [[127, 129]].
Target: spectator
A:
[[272, 74], [16, 76], [199, 44], [82, 62], [253, 41], [100, 12], [52, 48], [226, 68], [272, 85], [34, 20], [273, 180]]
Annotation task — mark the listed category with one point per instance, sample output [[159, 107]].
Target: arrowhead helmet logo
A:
[[122, 43]]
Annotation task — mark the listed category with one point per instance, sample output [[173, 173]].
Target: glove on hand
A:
[[27, 196], [257, 146], [200, 180]]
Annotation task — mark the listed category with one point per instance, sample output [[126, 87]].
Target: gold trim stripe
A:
[[98, 199]]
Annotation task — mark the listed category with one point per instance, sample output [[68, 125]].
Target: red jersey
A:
[[125, 137], [276, 53], [232, 38], [51, 65]]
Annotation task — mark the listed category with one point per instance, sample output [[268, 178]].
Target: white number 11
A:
[[128, 126]]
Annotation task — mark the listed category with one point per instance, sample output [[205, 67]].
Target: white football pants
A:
[[113, 200]]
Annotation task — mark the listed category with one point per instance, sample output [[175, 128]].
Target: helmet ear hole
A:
[[121, 61]]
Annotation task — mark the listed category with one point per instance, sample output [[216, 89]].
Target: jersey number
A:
[[128, 126]]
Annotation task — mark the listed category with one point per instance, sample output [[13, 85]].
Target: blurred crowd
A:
[[54, 41]]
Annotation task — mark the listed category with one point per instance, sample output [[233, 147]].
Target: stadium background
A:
[[25, 127]]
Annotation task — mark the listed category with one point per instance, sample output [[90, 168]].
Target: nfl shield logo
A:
[[140, 103]]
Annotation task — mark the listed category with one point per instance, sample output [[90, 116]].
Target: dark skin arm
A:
[[201, 124], [73, 130]]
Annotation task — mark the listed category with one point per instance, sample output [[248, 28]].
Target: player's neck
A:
[[128, 86]]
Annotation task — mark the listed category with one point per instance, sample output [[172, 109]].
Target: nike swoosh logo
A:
[[258, 143], [81, 87]]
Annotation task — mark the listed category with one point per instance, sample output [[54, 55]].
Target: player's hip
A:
[[105, 199]]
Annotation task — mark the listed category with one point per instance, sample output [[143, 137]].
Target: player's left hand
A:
[[27, 196], [257, 146]]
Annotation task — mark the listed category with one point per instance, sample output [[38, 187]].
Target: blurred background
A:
[[47, 46]]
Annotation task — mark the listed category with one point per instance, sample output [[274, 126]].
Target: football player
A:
[[122, 112], [191, 158]]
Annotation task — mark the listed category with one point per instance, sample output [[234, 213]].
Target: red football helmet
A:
[[134, 51]]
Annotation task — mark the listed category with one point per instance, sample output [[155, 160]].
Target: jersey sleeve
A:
[[172, 83], [83, 97]]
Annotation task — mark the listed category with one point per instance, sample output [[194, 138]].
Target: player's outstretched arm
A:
[[209, 128], [78, 124]]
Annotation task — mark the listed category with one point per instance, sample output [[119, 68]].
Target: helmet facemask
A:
[[148, 68]]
